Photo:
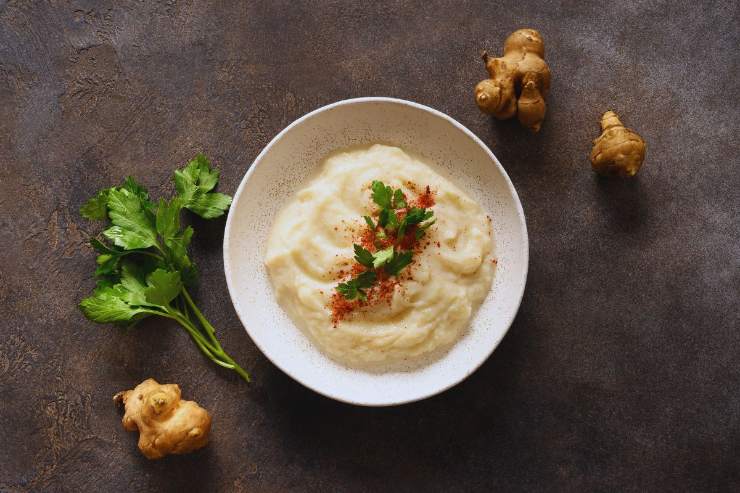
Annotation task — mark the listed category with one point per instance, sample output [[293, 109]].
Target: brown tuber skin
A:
[[166, 424], [521, 71], [618, 151]]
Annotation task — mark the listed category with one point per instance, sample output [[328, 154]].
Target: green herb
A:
[[97, 207], [194, 184], [388, 200], [415, 215], [355, 288], [399, 199], [426, 225], [397, 263], [388, 219], [145, 269], [363, 257], [421, 230], [382, 194], [382, 257], [390, 259]]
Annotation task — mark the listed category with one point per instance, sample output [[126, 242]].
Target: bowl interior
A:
[[291, 159]]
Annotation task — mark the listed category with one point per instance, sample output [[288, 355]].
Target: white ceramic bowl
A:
[[286, 164]]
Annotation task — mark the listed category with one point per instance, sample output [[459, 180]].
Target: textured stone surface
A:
[[622, 369]]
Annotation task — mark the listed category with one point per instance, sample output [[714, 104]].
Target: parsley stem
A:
[[212, 353], [199, 342], [202, 343], [213, 350], [161, 250], [144, 252], [137, 252], [210, 330]]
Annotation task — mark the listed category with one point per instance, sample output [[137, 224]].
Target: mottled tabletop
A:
[[621, 371]]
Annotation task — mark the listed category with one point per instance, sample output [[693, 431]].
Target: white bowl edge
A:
[[519, 211]]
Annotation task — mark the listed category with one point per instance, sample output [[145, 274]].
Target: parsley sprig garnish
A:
[[395, 217], [143, 267], [355, 288]]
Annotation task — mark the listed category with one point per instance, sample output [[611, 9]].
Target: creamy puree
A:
[[433, 303]]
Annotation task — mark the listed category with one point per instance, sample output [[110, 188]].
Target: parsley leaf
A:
[[209, 205], [168, 217], [109, 259], [129, 299], [347, 289], [388, 200], [382, 257], [399, 199], [97, 207], [354, 288], [178, 246], [101, 247], [366, 279], [194, 184], [382, 194], [415, 215], [104, 306], [132, 283], [132, 224], [369, 222], [388, 219], [363, 256], [130, 184], [162, 287], [107, 264], [197, 173], [398, 262]]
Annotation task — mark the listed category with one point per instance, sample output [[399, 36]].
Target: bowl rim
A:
[[519, 210]]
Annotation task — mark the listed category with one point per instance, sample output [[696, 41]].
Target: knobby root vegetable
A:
[[518, 81], [618, 151], [166, 424]]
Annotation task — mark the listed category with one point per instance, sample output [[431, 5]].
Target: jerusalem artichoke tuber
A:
[[521, 72], [618, 151], [166, 424]]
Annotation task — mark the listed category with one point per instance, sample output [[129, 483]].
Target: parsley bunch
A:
[[143, 267], [391, 259]]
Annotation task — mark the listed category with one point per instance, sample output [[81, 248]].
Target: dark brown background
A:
[[622, 369]]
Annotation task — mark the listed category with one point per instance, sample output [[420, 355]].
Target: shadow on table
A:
[[521, 153], [622, 201], [183, 472], [436, 433]]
